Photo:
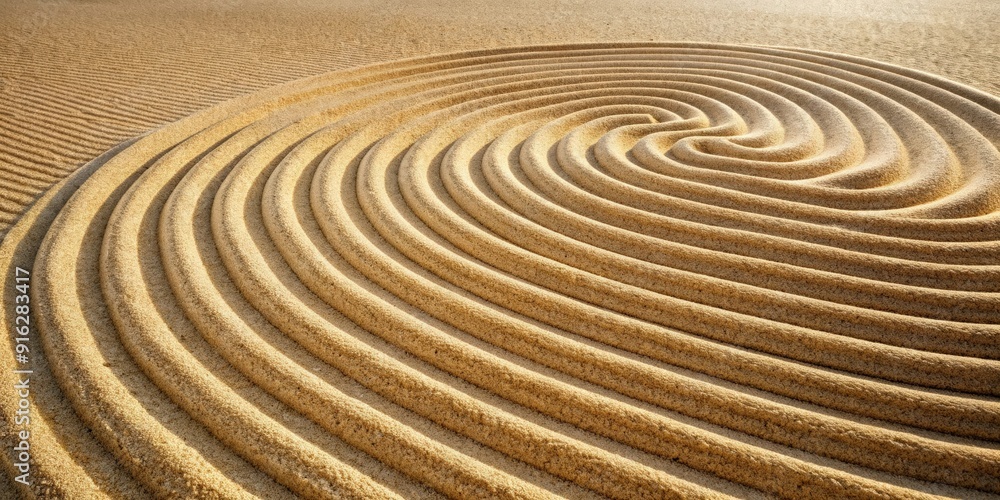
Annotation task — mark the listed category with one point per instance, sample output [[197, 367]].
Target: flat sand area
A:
[[629, 249]]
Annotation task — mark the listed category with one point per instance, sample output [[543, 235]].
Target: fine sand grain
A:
[[627, 270]]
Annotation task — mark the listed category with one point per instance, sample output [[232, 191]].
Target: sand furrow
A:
[[97, 373], [639, 270], [419, 251]]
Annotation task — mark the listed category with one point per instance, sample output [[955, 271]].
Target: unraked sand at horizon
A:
[[636, 270]]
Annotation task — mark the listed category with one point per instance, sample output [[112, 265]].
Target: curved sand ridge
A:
[[636, 271]]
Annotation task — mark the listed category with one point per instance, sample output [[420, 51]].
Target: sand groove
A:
[[632, 271]]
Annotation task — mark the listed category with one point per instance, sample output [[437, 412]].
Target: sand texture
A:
[[625, 270], [78, 77]]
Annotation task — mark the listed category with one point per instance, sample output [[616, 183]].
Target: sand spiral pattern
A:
[[633, 271]]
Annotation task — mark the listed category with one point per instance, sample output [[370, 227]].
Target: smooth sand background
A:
[[77, 77]]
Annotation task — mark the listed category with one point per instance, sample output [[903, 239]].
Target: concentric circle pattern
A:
[[634, 271]]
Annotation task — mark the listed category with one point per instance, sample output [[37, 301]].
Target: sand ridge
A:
[[636, 270], [77, 78]]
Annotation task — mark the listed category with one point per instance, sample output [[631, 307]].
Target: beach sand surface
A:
[[487, 250]]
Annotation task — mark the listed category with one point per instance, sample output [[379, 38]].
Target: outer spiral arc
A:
[[631, 271]]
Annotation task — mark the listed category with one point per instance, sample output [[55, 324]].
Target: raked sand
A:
[[629, 270]]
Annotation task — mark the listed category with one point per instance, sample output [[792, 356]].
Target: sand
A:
[[638, 269]]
